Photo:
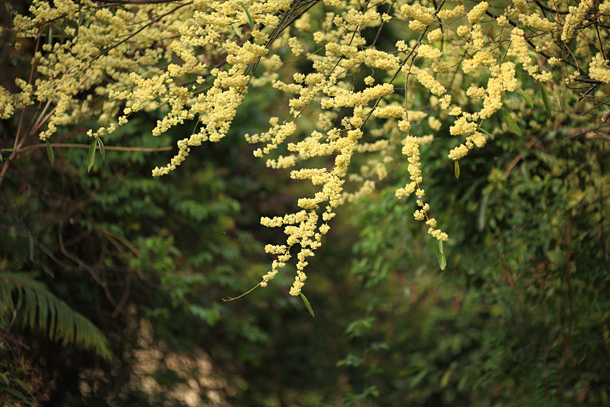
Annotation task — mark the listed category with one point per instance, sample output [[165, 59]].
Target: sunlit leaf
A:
[[440, 255], [457, 169], [307, 304], [237, 29]]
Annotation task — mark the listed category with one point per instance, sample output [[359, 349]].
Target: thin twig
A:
[[239, 296], [518, 158], [68, 145]]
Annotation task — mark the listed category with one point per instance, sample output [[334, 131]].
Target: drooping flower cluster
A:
[[349, 109]]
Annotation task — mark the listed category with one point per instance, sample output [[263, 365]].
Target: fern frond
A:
[[40, 309]]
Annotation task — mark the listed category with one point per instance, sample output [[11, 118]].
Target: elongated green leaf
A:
[[546, 99], [527, 98], [307, 304], [17, 394], [4, 378], [50, 153], [23, 385], [91, 155], [418, 378], [445, 378], [237, 29], [440, 255], [456, 169], [511, 123], [250, 21], [100, 143]]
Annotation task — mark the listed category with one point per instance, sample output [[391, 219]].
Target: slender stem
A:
[[67, 145]]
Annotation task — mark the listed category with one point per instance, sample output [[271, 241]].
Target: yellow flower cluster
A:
[[411, 150], [576, 16], [519, 49], [537, 22], [423, 15], [428, 52], [349, 102], [477, 11], [429, 82], [502, 80], [457, 11], [599, 69]]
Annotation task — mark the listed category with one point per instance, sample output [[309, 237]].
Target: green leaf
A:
[[50, 153], [250, 21], [102, 149], [457, 169], [462, 383], [237, 29], [91, 155], [527, 98], [511, 123], [418, 378], [307, 304], [4, 378], [17, 394], [440, 255], [445, 379], [23, 385], [546, 99]]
